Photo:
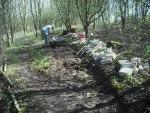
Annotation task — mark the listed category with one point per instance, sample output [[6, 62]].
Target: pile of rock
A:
[[133, 67], [101, 53], [98, 51]]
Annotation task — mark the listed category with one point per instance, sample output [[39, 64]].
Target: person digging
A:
[[45, 33]]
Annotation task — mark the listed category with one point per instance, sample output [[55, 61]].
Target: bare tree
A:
[[145, 7], [123, 9], [4, 6], [36, 7], [1, 29], [88, 9], [11, 18], [22, 6], [66, 10]]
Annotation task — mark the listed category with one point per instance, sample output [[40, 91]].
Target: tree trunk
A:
[[36, 30], [12, 33], [106, 30], [24, 30], [86, 29], [8, 42], [123, 20], [94, 24], [1, 46], [136, 15], [7, 35]]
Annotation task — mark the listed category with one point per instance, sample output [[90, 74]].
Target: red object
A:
[[81, 36]]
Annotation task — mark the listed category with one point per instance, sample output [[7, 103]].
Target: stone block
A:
[[127, 65], [135, 70], [106, 61], [146, 66], [97, 56], [109, 50], [141, 69], [123, 61], [111, 55], [138, 60], [134, 63], [125, 71]]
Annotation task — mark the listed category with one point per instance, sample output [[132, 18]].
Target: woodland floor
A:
[[70, 86]]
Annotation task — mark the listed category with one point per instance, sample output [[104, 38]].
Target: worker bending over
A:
[[45, 33]]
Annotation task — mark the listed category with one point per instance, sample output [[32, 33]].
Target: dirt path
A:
[[67, 87], [70, 86]]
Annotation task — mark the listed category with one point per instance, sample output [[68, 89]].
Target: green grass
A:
[[40, 61], [24, 41], [40, 64], [13, 51], [127, 81], [147, 50], [100, 50], [116, 83], [12, 58], [17, 79]]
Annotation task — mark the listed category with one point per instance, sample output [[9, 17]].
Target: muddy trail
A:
[[69, 86]]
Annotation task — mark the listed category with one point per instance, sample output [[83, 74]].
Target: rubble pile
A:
[[98, 51], [103, 54], [133, 67]]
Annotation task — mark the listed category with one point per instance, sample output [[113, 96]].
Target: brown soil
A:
[[70, 86]]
